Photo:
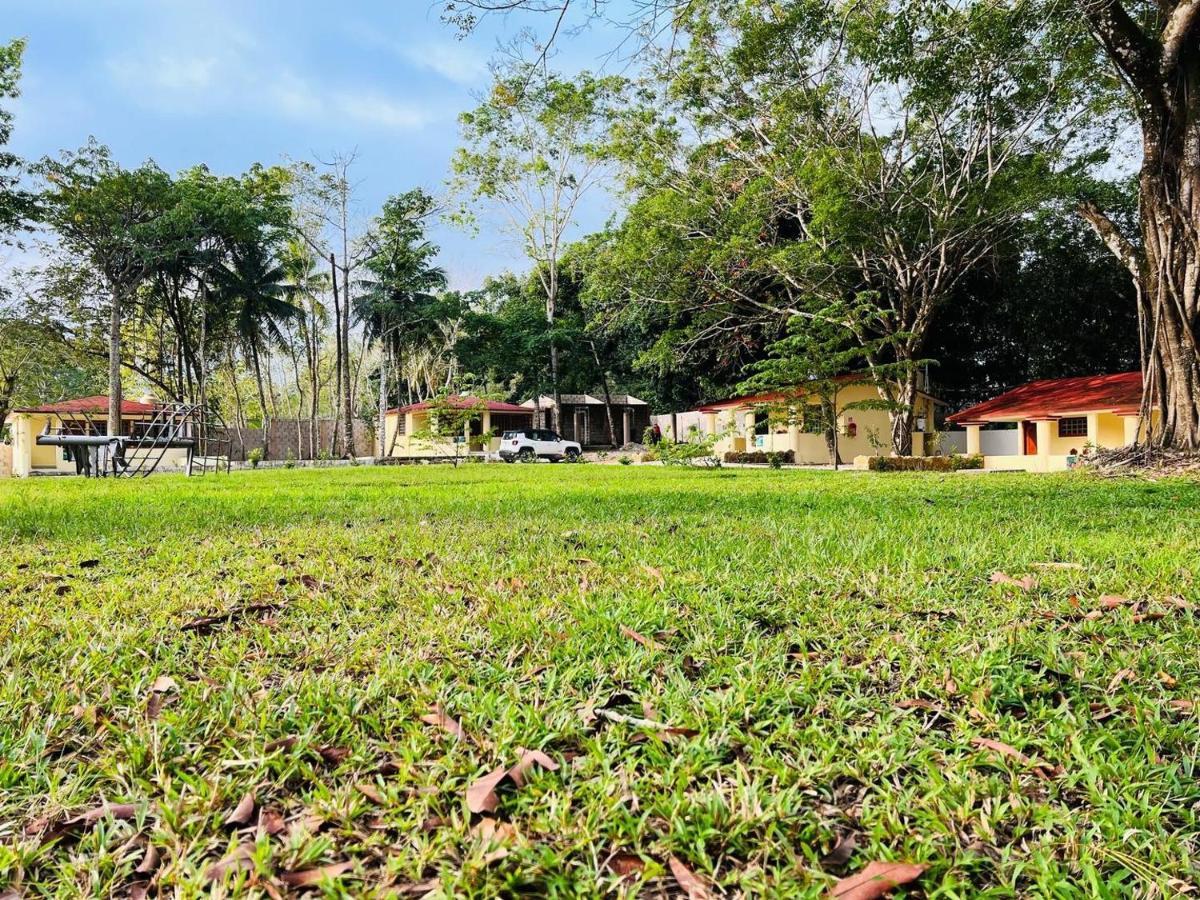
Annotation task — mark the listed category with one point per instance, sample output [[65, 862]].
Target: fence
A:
[[291, 438]]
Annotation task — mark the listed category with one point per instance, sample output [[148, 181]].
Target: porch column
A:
[[1132, 432], [1093, 435], [972, 440], [748, 429], [710, 423], [487, 425], [22, 451], [1020, 437], [794, 432], [1043, 444], [626, 415]]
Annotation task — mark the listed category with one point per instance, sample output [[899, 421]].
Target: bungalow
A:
[[747, 424], [584, 419], [1056, 416], [84, 416], [409, 431]]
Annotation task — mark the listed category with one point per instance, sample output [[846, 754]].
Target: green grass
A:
[[790, 616]]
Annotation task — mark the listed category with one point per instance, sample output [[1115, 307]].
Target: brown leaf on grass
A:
[[1057, 565], [239, 860], [1121, 676], [154, 705], [482, 794], [439, 718], [837, 857], [52, 829], [626, 865], [494, 837], [657, 574], [1025, 582], [688, 880], [1166, 679], [529, 759], [876, 880], [283, 743], [1182, 705], [333, 756], [1114, 601], [139, 890], [310, 582], [243, 813], [89, 563], [1002, 748], [416, 888], [390, 767], [917, 704], [163, 684], [370, 792], [270, 821], [308, 877], [648, 643], [149, 861]]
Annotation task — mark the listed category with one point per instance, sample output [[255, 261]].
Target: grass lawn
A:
[[775, 678]]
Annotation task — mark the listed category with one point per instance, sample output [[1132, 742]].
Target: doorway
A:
[[1029, 430]]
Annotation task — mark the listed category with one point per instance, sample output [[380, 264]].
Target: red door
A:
[[1030, 438]]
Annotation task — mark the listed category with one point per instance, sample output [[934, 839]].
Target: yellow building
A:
[[1057, 418], [85, 416], [409, 431], [782, 421]]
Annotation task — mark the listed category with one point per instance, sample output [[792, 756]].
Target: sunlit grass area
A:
[[773, 679]]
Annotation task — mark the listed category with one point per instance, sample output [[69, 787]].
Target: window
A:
[[1076, 426], [814, 420], [401, 423]]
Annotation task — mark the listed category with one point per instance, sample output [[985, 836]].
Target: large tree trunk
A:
[[114, 365], [262, 402], [901, 414], [1161, 69]]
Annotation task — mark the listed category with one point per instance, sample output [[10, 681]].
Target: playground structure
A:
[[187, 429]]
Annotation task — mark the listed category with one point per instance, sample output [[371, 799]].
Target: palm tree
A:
[[257, 283], [308, 282]]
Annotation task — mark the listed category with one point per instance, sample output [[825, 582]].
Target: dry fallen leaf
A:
[[149, 861], [370, 792], [1113, 601], [876, 880], [1182, 705], [310, 582], [270, 821], [240, 859], [1122, 675], [1057, 565], [333, 755], [243, 813], [1025, 582], [1166, 680], [164, 683], [482, 796], [416, 888], [52, 830], [154, 705], [648, 643], [841, 852], [688, 880], [657, 574], [439, 718], [626, 865], [306, 877], [1002, 748]]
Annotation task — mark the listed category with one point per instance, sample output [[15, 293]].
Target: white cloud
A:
[[453, 60], [379, 111]]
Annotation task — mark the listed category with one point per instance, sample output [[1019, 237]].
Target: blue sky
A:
[[230, 83]]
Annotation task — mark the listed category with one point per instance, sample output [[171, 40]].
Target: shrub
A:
[[924, 463], [697, 450], [775, 459], [625, 461], [289, 461], [254, 457]]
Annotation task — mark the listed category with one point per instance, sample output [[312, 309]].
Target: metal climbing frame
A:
[[170, 426]]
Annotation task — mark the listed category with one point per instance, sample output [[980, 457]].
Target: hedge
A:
[[924, 463], [762, 458]]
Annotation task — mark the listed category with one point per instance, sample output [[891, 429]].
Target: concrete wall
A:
[[991, 443]]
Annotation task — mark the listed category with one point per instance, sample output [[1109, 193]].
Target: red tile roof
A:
[[1056, 397], [466, 402], [96, 404]]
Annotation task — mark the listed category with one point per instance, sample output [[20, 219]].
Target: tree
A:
[[109, 216], [534, 149], [15, 204], [1155, 50], [401, 285]]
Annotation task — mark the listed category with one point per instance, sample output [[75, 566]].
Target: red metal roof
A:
[[1057, 397], [96, 404], [465, 402]]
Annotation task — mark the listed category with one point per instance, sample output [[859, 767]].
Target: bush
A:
[[697, 451], [289, 461], [924, 463], [254, 457], [775, 459], [625, 461]]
